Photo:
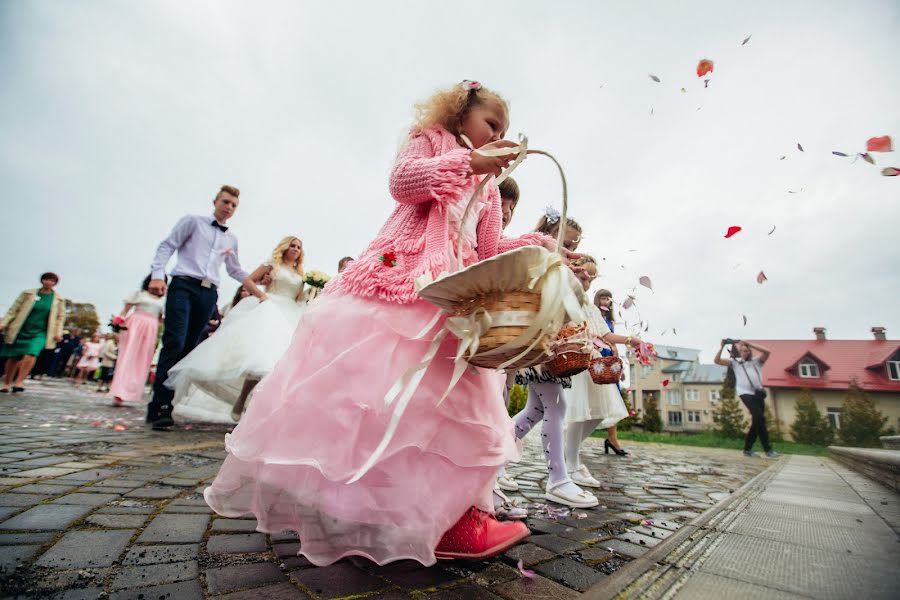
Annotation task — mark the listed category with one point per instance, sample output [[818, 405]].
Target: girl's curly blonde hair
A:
[[449, 107], [281, 248]]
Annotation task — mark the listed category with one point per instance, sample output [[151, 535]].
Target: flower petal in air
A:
[[880, 144], [761, 277], [732, 230], [704, 66]]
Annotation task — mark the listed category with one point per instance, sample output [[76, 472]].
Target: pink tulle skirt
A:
[[317, 418], [136, 347]]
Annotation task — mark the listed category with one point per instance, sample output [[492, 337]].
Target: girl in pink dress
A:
[[136, 344], [295, 458]]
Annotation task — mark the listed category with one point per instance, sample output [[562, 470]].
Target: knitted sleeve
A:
[[528, 239], [421, 174]]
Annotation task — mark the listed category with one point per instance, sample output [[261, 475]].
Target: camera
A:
[[727, 341]]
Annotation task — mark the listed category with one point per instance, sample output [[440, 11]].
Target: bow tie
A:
[[220, 226]]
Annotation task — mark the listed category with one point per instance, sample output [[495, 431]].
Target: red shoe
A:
[[479, 535]]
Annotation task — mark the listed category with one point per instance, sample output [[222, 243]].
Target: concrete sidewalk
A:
[[807, 528]]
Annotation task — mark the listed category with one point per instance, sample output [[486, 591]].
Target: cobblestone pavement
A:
[[95, 505]]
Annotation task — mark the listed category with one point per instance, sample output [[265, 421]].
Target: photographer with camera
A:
[[747, 370]]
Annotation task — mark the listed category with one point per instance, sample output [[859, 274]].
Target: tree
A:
[[632, 418], [773, 426], [652, 422], [727, 415], [518, 397], [83, 316], [861, 422], [809, 426]]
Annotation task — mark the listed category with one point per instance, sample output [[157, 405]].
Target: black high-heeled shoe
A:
[[607, 446]]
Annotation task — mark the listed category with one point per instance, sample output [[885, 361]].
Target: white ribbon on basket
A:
[[555, 295]]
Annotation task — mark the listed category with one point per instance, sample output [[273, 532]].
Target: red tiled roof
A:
[[846, 359]]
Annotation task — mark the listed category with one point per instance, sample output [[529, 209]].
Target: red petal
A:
[[880, 144], [890, 171], [704, 66], [665, 383], [761, 277], [732, 230]]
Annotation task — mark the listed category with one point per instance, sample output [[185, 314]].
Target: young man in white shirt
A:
[[749, 388], [203, 243]]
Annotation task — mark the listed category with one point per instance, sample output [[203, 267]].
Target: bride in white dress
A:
[[212, 382]]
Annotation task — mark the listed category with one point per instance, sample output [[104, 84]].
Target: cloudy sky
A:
[[119, 117]]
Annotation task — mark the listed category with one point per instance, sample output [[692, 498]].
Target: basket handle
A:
[[522, 150]]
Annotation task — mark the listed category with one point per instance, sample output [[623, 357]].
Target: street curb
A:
[[617, 585]]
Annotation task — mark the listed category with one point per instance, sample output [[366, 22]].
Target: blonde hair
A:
[[550, 226], [449, 107], [281, 248], [229, 189]]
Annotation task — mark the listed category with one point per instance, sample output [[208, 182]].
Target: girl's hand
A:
[[635, 341], [263, 297], [492, 165]]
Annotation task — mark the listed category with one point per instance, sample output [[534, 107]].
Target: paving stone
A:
[[411, 575], [235, 577], [570, 573], [595, 555], [49, 488], [150, 575], [21, 499], [175, 528], [86, 499], [125, 510], [279, 591], [7, 539], [46, 517], [555, 543], [117, 521], [6, 511], [295, 562], [639, 538], [529, 554], [154, 491], [169, 553], [338, 580], [236, 543], [44, 472], [287, 549], [11, 557], [624, 548], [542, 526], [533, 588], [187, 510], [81, 549], [185, 590], [236, 525], [90, 475]]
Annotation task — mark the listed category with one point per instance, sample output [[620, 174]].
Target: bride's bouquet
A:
[[316, 279], [117, 323]]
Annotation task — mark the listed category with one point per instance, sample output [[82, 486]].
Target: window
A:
[[715, 396], [809, 368], [894, 369], [693, 416], [673, 397], [692, 395], [645, 371], [834, 417], [675, 418]]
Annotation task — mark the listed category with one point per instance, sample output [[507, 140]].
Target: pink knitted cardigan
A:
[[430, 171]]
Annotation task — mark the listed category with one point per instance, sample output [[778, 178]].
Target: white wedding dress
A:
[[250, 340]]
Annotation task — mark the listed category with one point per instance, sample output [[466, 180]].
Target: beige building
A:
[[686, 390], [826, 368]]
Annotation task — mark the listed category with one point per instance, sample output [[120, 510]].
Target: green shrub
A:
[[861, 422], [809, 426]]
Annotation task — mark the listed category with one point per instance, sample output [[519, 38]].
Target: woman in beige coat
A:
[[33, 322]]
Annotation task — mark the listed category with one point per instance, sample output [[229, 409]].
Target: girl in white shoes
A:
[[591, 405]]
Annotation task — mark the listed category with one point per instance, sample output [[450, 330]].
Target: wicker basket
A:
[[498, 303], [606, 369], [572, 352]]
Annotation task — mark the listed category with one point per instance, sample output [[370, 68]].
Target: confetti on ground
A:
[[704, 66], [645, 281], [525, 572], [655, 78], [880, 144], [800, 148], [890, 171], [732, 230], [773, 229], [119, 427], [746, 39], [761, 277]]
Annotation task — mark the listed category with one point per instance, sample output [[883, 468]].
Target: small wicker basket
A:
[[606, 369], [572, 351]]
